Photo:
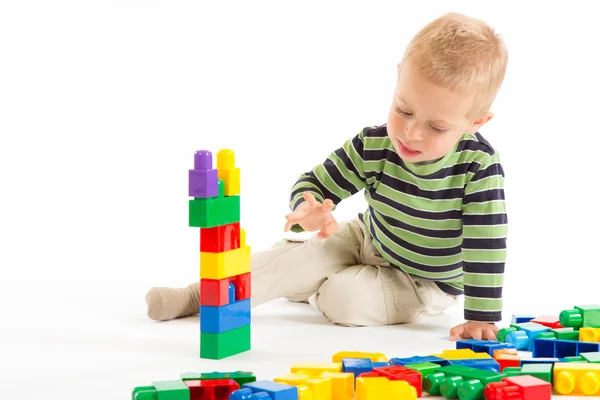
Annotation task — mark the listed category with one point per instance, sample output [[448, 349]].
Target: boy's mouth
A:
[[407, 151]]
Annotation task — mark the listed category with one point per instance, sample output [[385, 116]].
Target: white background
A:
[[102, 105]]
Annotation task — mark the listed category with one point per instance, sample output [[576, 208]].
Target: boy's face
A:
[[426, 121]]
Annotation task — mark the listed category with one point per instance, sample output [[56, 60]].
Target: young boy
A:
[[435, 226]]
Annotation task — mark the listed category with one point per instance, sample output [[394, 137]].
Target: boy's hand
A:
[[312, 215], [474, 330]]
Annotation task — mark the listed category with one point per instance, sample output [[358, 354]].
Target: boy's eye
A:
[[398, 110], [439, 130]]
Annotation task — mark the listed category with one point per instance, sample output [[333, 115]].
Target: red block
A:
[[220, 238], [524, 387], [548, 320], [217, 389], [215, 292], [398, 373]]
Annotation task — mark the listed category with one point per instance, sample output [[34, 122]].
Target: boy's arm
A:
[[484, 243], [340, 176]]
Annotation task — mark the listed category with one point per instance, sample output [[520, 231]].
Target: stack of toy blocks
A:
[[225, 317]]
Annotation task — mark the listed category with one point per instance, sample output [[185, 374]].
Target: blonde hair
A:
[[463, 54]]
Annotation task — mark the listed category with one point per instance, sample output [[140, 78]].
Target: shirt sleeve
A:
[[340, 176], [485, 227]]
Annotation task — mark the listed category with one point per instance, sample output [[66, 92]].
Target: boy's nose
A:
[[412, 132]]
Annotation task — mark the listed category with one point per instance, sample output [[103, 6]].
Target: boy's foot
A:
[[170, 303]]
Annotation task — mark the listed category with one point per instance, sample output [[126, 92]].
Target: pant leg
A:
[[296, 269], [373, 293]]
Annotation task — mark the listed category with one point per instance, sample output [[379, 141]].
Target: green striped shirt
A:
[[443, 221]]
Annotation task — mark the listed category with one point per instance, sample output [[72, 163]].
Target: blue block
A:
[[488, 364], [521, 318], [231, 293], [491, 347], [519, 340], [587, 347], [225, 318], [357, 366], [470, 343], [419, 359], [277, 390], [248, 394], [554, 348], [542, 361], [532, 330], [380, 364], [544, 348]]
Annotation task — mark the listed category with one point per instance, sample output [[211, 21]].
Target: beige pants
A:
[[345, 278]]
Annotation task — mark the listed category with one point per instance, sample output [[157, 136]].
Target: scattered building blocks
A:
[[225, 262], [554, 348], [587, 316], [456, 381], [548, 321], [519, 388], [577, 379], [398, 373], [266, 390], [589, 335], [375, 357], [507, 358], [419, 359], [217, 389], [566, 333], [488, 364], [342, 385], [460, 354], [378, 388], [357, 366], [424, 368], [540, 371], [522, 337], [309, 388], [482, 346]]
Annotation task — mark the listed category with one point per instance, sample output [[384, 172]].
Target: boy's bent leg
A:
[[290, 269]]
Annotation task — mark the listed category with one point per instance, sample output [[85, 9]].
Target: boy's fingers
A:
[[310, 199], [457, 332]]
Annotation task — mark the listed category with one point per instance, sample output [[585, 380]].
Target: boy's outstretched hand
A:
[[312, 215], [474, 330]]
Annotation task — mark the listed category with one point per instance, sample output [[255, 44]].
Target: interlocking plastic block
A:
[[589, 335], [554, 348], [398, 372], [225, 264], [228, 173], [203, 179], [542, 360], [512, 371], [470, 343], [380, 388], [375, 357], [548, 321], [520, 318], [591, 357], [276, 390], [315, 368], [541, 371], [225, 318], [502, 333], [214, 211], [574, 359], [216, 292], [488, 364], [577, 379], [357, 366], [424, 368], [507, 358], [532, 330], [419, 359], [456, 381], [482, 346], [342, 384], [381, 364], [519, 388], [217, 389], [220, 238], [566, 333], [144, 393], [172, 390], [221, 345], [240, 377], [461, 354], [311, 387], [587, 316]]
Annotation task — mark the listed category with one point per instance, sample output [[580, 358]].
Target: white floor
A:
[[101, 345]]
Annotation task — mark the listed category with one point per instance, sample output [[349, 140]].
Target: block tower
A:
[[224, 257]]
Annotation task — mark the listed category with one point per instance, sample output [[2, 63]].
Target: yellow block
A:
[[225, 264], [461, 354], [320, 388], [375, 357], [381, 388], [342, 385], [228, 173], [315, 369], [576, 378], [589, 334]]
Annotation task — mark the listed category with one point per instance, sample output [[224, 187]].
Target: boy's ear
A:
[[485, 117]]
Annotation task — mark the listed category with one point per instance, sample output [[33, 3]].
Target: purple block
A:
[[203, 179]]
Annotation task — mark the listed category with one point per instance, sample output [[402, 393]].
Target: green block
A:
[[172, 390], [512, 371], [425, 368], [566, 333], [591, 357], [546, 335], [216, 346], [502, 333], [587, 316], [541, 371], [144, 393], [214, 211], [241, 377], [455, 381], [575, 359]]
